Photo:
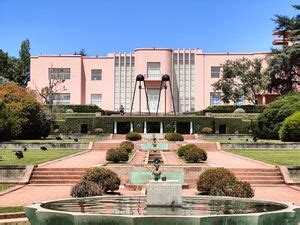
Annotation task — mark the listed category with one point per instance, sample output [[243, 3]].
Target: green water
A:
[[143, 177], [159, 146]]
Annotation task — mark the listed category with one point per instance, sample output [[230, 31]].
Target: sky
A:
[[102, 26]]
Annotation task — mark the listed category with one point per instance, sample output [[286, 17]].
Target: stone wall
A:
[[49, 145], [288, 145]]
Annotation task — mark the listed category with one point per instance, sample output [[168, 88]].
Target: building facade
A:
[[109, 81]]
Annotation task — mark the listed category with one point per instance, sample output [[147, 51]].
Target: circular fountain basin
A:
[[133, 210]]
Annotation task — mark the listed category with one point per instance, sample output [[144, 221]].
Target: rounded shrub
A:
[[269, 122], [290, 128], [127, 145], [105, 178], [181, 151], [232, 188], [98, 131], [195, 155], [207, 130], [174, 137], [69, 111], [133, 136], [86, 189], [209, 177], [117, 155], [239, 111]]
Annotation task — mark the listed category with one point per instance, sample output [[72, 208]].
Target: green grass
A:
[[238, 140], [11, 209], [33, 157], [81, 140], [276, 157], [4, 187]]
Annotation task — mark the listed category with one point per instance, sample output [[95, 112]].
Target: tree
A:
[[24, 55], [241, 78], [82, 52], [283, 64], [9, 66], [34, 122], [47, 93]]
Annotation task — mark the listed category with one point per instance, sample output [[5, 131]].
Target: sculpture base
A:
[[164, 193]]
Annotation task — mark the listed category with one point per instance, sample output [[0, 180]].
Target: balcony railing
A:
[[153, 76]]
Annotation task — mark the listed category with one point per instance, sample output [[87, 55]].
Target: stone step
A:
[[268, 182], [54, 181], [59, 177], [39, 169], [257, 174], [55, 173], [254, 170], [266, 178]]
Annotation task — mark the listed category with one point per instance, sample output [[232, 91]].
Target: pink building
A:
[[108, 81]]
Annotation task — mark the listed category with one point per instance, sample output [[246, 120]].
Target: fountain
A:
[[163, 204]]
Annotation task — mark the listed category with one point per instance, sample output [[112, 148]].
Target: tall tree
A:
[[24, 55], [284, 63], [241, 78]]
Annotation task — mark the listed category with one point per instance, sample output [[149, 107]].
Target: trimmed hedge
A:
[[80, 109], [207, 130], [232, 108], [269, 122], [133, 136], [117, 155], [195, 155], [174, 137], [86, 189], [290, 128], [181, 151], [127, 145]]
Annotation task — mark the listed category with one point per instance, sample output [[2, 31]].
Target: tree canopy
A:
[[241, 78]]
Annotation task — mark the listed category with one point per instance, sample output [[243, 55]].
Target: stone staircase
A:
[[260, 177], [153, 155], [56, 175]]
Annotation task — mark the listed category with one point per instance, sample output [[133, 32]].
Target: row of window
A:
[[65, 74], [64, 99], [215, 99]]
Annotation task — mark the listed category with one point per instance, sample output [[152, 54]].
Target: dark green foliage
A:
[[174, 137], [232, 188], [195, 155], [133, 136], [127, 145], [208, 178], [105, 178], [207, 130], [86, 189], [269, 122], [24, 55], [98, 131], [181, 151], [10, 127], [231, 108], [117, 155], [290, 128]]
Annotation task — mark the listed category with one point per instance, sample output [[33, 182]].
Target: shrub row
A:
[[174, 137], [96, 181], [232, 108], [192, 153], [80, 109], [120, 154], [222, 182], [133, 136], [290, 128]]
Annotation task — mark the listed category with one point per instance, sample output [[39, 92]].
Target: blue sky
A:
[[101, 26]]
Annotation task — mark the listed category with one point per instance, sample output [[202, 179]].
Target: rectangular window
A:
[[215, 71], [240, 101], [215, 98], [59, 73], [96, 99], [96, 74], [153, 69], [61, 98]]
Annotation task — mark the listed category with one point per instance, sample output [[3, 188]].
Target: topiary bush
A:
[[86, 189], [232, 188], [105, 178], [239, 111], [208, 178], [195, 155], [127, 145], [117, 155], [269, 122], [181, 151], [207, 130], [69, 111], [174, 137], [133, 136], [290, 128], [231, 108], [98, 131]]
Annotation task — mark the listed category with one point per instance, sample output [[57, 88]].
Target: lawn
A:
[[238, 140], [11, 209], [82, 140], [276, 157], [4, 187], [33, 157]]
